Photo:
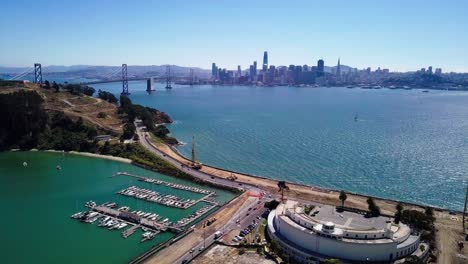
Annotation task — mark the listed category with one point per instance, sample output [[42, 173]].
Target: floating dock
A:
[[163, 199], [168, 184]]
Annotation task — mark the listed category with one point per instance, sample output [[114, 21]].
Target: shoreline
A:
[[174, 151], [85, 154]]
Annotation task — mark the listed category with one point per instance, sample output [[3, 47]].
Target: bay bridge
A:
[[117, 75]]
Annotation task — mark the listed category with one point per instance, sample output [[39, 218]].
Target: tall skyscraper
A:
[[214, 71], [320, 67], [239, 72], [265, 61], [338, 70], [255, 68]]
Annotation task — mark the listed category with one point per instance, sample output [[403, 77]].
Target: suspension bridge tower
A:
[[168, 77], [37, 73], [124, 80]]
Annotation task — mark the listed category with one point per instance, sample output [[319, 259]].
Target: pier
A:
[[193, 217], [168, 184], [112, 219], [167, 200]]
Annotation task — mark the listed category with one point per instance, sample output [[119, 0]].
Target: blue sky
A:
[[400, 35]]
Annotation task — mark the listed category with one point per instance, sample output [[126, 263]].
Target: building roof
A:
[[348, 220]]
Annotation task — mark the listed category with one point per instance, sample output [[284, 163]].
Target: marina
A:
[[164, 199], [81, 179], [168, 184], [151, 223], [113, 219]]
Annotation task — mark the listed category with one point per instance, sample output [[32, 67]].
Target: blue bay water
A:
[[405, 145]]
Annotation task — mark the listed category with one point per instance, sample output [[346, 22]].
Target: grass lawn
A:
[[262, 229]]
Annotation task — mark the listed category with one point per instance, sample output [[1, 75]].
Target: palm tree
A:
[[281, 187], [399, 208], [343, 198]]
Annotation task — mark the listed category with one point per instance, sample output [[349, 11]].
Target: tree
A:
[[373, 208], [413, 260], [56, 87], [282, 186], [88, 90], [128, 131], [47, 84], [399, 208], [161, 131], [106, 96], [343, 198], [275, 248], [429, 212]]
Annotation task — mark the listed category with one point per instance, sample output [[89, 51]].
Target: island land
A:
[[67, 108]]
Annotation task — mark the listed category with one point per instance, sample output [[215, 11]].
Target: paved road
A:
[[241, 220]]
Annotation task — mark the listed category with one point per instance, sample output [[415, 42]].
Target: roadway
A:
[[241, 220]]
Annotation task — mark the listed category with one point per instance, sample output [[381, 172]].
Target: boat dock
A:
[[112, 219], [168, 184], [193, 217], [155, 197]]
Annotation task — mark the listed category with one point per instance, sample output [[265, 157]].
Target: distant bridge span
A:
[[119, 80]]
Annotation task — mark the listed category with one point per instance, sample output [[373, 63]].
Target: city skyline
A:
[[363, 34]]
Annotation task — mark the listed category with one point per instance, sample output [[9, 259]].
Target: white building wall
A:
[[362, 251]]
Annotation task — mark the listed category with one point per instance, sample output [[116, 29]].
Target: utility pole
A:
[[124, 80], [37, 73], [464, 211]]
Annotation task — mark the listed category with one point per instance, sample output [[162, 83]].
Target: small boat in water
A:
[[25, 164], [58, 167]]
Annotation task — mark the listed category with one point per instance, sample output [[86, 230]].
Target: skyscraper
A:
[[320, 67], [265, 61], [239, 72], [338, 70], [214, 71], [255, 68]]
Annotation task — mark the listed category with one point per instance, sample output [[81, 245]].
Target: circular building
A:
[[349, 236]]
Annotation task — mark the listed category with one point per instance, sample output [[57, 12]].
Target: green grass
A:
[[156, 140], [262, 229]]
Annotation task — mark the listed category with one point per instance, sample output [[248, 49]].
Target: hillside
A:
[[74, 106]]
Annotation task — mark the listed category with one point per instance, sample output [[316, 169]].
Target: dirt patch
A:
[[228, 255], [448, 234]]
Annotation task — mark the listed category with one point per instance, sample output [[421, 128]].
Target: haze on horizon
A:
[[399, 35]]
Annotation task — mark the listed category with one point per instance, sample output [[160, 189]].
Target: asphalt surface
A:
[[241, 220]]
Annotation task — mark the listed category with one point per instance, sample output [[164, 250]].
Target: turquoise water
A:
[[37, 202], [406, 145]]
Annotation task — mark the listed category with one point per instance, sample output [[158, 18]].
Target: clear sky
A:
[[400, 35]]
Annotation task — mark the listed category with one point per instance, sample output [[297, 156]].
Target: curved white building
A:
[[325, 233]]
